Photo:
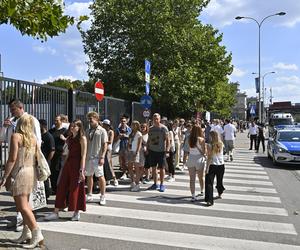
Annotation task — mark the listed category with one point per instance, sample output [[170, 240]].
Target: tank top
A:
[[195, 150]]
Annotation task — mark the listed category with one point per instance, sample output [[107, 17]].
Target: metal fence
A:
[[46, 102]]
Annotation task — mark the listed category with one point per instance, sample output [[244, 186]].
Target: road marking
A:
[[256, 190], [244, 171], [150, 236], [240, 181], [161, 200], [237, 197], [228, 174], [201, 220]]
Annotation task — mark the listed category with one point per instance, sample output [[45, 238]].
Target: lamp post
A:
[[259, 24], [263, 92]]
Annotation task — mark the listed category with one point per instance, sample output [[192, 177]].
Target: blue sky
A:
[[62, 57]]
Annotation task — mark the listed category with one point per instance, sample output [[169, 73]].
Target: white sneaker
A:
[[89, 198], [52, 216], [171, 179], [168, 177], [76, 216], [102, 200], [65, 209], [123, 177], [116, 183], [136, 188]]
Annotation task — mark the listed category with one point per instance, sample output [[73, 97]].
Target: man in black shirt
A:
[[48, 149], [59, 133]]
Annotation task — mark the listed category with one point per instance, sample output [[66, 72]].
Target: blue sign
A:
[[147, 86], [252, 110], [146, 101], [147, 71]]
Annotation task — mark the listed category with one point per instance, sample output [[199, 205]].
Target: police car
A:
[[284, 145]]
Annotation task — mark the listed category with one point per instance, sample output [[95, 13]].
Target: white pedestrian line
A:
[[228, 174], [245, 165], [251, 190], [159, 199], [201, 220], [227, 180], [165, 238], [242, 168], [237, 197], [243, 171]]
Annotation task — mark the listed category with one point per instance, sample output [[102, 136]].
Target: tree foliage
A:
[[66, 83], [189, 66], [37, 18]]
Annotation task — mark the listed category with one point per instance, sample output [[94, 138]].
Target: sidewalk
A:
[[7, 211]]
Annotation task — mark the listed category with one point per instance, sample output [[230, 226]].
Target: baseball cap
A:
[[106, 121]]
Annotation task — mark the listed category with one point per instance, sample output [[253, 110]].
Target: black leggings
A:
[[214, 170]]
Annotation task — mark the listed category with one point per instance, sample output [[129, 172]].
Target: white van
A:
[[279, 119]]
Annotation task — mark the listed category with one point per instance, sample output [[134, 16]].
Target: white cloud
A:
[[284, 66], [223, 12], [250, 92], [284, 86], [53, 78], [44, 49], [238, 72]]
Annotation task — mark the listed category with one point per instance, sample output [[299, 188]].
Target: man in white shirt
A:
[[229, 138], [253, 129], [218, 128]]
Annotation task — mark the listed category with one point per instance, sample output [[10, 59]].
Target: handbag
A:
[[116, 147], [202, 160], [43, 170]]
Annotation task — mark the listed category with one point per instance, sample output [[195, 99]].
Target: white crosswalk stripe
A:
[[250, 206]]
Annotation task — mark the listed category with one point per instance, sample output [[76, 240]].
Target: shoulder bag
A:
[[43, 170]]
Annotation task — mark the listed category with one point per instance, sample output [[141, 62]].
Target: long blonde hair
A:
[[216, 143], [25, 127]]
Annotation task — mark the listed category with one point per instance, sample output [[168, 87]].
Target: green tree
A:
[[37, 18], [66, 84], [189, 66]]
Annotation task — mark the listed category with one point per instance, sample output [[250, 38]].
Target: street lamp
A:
[[259, 73]]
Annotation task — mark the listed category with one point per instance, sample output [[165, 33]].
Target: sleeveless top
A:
[[218, 159], [24, 172], [195, 150]]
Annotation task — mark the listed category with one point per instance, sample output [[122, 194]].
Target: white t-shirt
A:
[[253, 130], [176, 132], [229, 131], [218, 129], [135, 140]]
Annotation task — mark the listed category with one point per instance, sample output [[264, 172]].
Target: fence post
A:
[[71, 104]]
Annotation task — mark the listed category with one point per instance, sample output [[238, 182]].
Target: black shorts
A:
[[156, 159]]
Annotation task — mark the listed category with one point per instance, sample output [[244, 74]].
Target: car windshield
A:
[[292, 136], [275, 122]]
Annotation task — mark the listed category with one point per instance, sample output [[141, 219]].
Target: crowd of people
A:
[[79, 157]]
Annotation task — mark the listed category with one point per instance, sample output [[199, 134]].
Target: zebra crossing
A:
[[250, 216]]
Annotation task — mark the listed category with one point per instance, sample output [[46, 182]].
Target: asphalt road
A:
[[259, 210]]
